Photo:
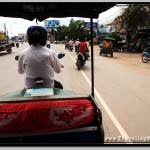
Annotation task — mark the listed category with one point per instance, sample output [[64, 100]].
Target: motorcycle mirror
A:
[[48, 46], [16, 57], [61, 55]]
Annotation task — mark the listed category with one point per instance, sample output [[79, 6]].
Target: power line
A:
[[111, 15]]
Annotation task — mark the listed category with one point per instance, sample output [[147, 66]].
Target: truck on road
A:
[[5, 45]]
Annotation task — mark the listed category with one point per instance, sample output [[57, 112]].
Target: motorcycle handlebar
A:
[[16, 57], [60, 55]]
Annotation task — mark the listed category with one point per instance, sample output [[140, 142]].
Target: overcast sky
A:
[[17, 25]]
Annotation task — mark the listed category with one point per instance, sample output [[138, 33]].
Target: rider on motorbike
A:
[[83, 47], [76, 45], [38, 61], [71, 43], [88, 44]]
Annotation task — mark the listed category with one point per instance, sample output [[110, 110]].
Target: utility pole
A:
[[11, 29]]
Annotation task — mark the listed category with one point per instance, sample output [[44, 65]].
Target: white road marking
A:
[[111, 115]]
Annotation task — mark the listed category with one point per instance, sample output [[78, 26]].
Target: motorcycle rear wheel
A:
[[100, 53], [9, 51], [78, 64], [111, 54]]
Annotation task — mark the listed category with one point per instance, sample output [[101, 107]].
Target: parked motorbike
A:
[[80, 61], [146, 57]]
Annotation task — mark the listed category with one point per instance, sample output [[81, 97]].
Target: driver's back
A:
[[38, 61]]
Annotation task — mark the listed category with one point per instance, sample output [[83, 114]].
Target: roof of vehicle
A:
[[42, 11]]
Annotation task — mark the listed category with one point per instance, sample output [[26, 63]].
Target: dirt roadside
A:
[[130, 59]]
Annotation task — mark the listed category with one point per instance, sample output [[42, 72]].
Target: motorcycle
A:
[[87, 54], [76, 49], [145, 57], [39, 82], [17, 45], [66, 45], [80, 61], [71, 47]]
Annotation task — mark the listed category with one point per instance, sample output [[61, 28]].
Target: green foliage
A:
[[114, 35], [61, 32], [102, 26], [75, 30], [136, 15]]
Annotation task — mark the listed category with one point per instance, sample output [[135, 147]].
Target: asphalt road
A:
[[121, 89]]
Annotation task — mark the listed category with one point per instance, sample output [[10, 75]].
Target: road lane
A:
[[70, 77], [86, 73], [9, 78], [123, 82], [125, 89]]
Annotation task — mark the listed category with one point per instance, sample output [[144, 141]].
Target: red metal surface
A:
[[44, 116]]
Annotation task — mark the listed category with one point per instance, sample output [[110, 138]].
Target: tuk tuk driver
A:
[[105, 44], [38, 61]]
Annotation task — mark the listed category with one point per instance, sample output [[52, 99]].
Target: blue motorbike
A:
[[145, 57]]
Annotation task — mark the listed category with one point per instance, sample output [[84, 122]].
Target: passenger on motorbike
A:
[[83, 47], [38, 61], [88, 44], [76, 45]]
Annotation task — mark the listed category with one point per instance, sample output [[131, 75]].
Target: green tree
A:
[[115, 35], [102, 26], [135, 16], [117, 38], [61, 32], [76, 30]]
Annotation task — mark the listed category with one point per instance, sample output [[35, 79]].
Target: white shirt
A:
[[38, 61], [77, 42]]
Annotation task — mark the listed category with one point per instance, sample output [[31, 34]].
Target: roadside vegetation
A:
[[75, 30]]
